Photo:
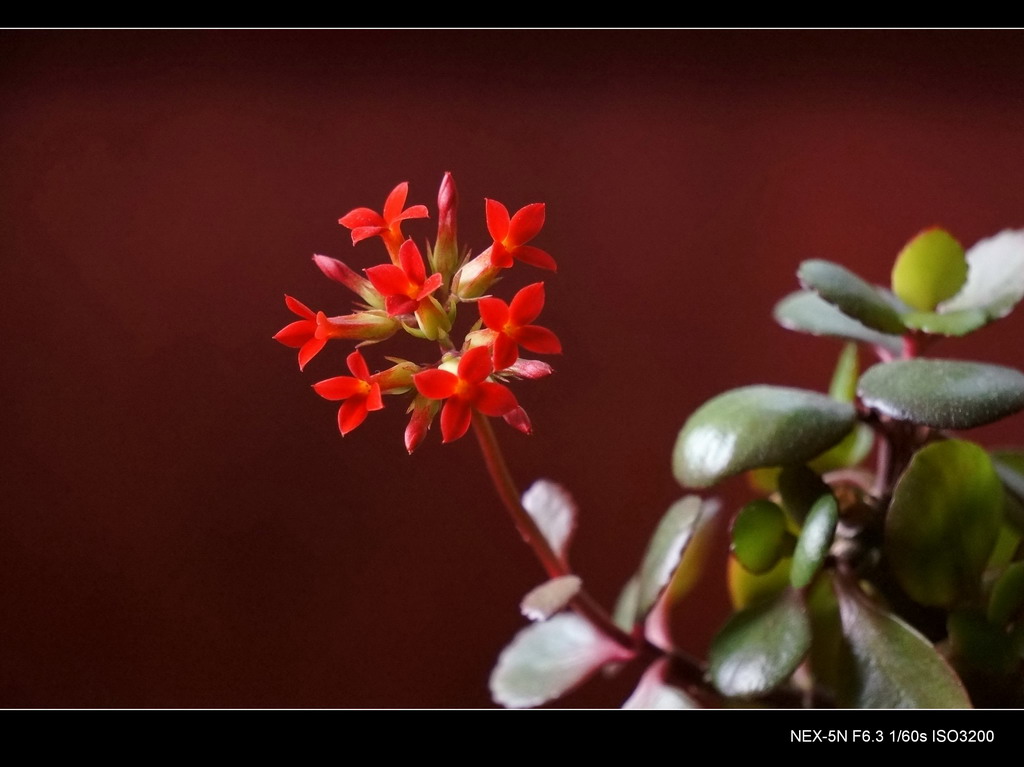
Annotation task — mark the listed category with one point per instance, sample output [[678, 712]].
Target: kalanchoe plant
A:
[[900, 585]]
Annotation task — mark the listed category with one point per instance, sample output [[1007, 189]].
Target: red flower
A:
[[360, 393], [465, 392], [301, 334], [510, 324], [511, 235], [366, 223], [404, 287]]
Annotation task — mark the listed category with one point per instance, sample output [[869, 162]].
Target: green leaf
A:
[[625, 612], [1007, 597], [995, 276], [807, 312], [759, 536], [1007, 540], [653, 692], [850, 294], [855, 446], [945, 394], [703, 544], [952, 324], [980, 645], [800, 487], [830, 658], [895, 666], [815, 541], [665, 550], [546, 660], [747, 589], [943, 522], [759, 648], [929, 269], [550, 597], [757, 426], [1010, 467]]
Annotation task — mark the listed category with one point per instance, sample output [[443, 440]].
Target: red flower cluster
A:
[[423, 298]]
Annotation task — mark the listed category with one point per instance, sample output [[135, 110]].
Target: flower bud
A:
[[432, 319], [339, 272], [371, 326], [423, 411], [474, 279], [446, 251]]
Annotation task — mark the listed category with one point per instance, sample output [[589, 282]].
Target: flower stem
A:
[[583, 603]]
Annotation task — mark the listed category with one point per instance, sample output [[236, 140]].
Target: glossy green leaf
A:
[[945, 394], [895, 666], [850, 294], [807, 312], [760, 647], [943, 522], [546, 660], [759, 536], [665, 550], [550, 597], [815, 541], [757, 426], [995, 276], [1007, 598], [929, 269], [952, 324], [800, 487], [653, 692], [979, 644]]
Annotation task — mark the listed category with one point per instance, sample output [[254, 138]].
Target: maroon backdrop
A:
[[182, 525]]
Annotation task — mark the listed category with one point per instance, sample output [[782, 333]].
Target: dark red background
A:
[[182, 524]]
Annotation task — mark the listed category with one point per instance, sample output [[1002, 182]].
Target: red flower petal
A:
[[362, 217], [366, 232], [389, 279], [538, 339], [339, 387], [497, 219], [296, 333], [298, 307], [351, 413], [494, 399], [396, 305], [432, 284], [494, 313], [357, 365], [435, 384], [525, 224], [506, 351], [412, 262], [527, 304], [395, 202], [535, 257], [501, 257], [455, 419], [374, 401], [475, 364], [416, 211], [309, 350]]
